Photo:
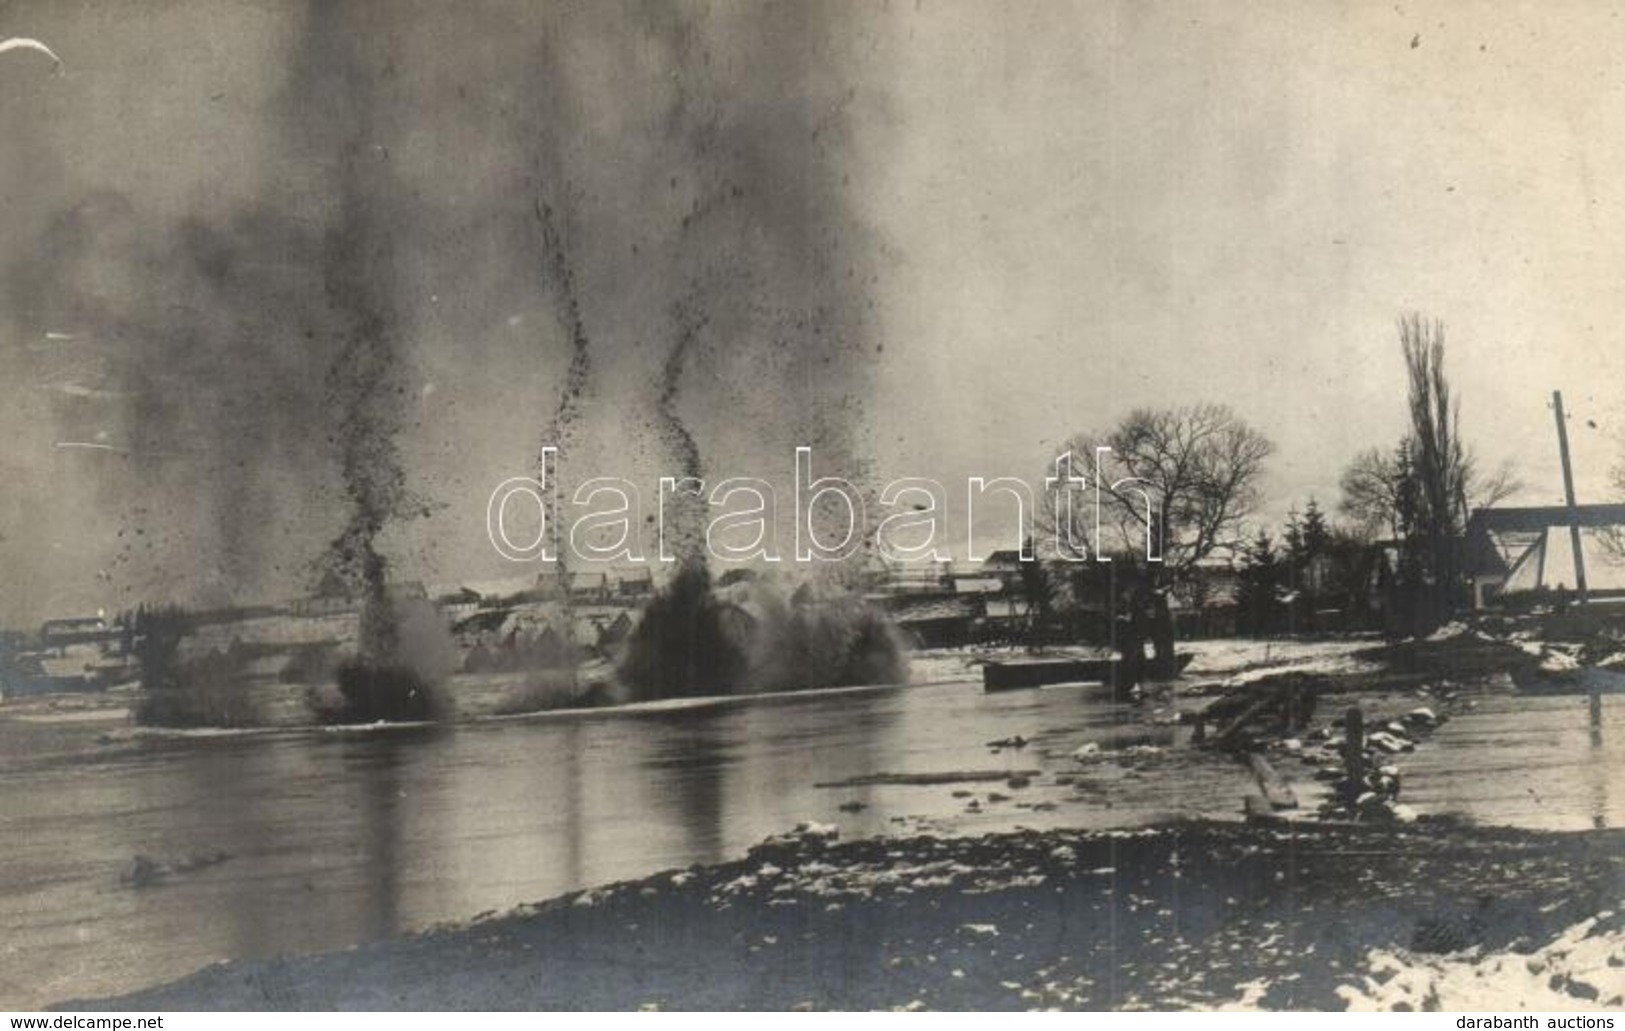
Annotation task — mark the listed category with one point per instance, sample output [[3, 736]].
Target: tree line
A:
[[1392, 557]]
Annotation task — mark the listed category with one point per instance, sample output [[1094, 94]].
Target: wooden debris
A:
[[1277, 791]]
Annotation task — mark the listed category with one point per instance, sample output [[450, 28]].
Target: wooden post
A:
[[1568, 496], [1354, 745]]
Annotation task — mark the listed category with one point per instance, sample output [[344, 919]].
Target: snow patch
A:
[[1578, 971]]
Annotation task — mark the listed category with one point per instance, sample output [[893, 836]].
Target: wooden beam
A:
[[1568, 496], [1276, 790], [1223, 738]]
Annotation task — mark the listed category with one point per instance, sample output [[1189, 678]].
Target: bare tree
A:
[[1438, 460], [1423, 492], [1441, 474], [1613, 537], [1375, 485], [1187, 477], [1373, 489], [1486, 490]]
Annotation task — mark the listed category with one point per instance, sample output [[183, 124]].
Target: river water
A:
[[337, 837]]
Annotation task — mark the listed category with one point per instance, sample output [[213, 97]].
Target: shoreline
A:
[[1186, 915], [1195, 886]]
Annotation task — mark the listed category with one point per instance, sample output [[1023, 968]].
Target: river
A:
[[337, 837]]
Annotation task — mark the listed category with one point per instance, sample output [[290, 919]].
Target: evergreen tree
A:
[[1260, 578], [1406, 502], [1038, 588], [1292, 538], [1351, 574], [1316, 533], [1314, 542]]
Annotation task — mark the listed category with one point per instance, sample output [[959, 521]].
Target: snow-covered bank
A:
[[492, 813], [1187, 915], [1582, 969], [1220, 657]]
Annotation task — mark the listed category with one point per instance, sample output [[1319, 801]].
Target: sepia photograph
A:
[[832, 505]]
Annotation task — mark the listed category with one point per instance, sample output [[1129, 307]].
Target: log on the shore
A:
[[1227, 734], [1277, 791], [1290, 700], [1259, 811], [1031, 673]]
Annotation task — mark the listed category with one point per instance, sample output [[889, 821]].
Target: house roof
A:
[[482, 622], [1004, 608], [925, 610], [498, 588], [78, 622], [1545, 516], [1484, 557], [64, 665], [1005, 558]]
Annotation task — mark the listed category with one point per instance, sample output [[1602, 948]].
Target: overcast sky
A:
[[1023, 221], [1109, 206]]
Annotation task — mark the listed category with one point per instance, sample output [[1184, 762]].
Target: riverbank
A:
[[1190, 915], [374, 834]]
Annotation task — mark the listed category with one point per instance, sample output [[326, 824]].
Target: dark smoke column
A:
[[715, 254], [332, 112]]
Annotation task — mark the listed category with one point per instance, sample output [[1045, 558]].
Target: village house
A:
[[935, 620]]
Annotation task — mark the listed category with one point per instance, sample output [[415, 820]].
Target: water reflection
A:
[[1597, 764], [226, 804], [338, 838], [377, 774], [684, 769], [1548, 762], [572, 831]]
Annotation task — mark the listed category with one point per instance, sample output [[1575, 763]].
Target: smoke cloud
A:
[[343, 268]]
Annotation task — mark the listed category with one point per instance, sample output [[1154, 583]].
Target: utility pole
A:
[[1568, 497]]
